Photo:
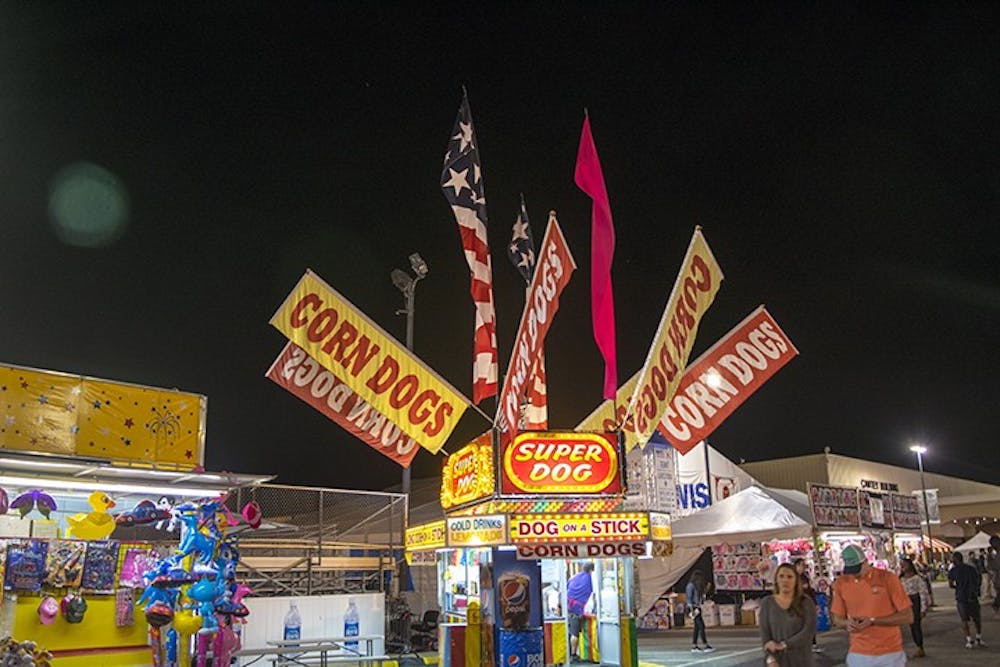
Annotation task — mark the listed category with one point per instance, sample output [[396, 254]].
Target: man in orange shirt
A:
[[871, 605]]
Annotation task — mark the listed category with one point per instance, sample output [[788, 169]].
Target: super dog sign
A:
[[561, 463]]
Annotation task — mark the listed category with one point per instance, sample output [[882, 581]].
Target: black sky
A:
[[843, 161]]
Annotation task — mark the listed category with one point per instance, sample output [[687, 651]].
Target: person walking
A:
[[579, 589], [807, 589], [920, 598], [993, 568], [788, 621], [871, 605], [695, 592], [964, 578]]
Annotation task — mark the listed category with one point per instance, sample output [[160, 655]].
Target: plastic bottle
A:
[[352, 625], [293, 623]]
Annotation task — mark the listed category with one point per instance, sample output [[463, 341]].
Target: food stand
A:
[[523, 522]]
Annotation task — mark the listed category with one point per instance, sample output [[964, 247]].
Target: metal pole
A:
[[410, 305], [927, 512], [708, 473]]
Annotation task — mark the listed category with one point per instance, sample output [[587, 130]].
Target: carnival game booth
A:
[[517, 528], [96, 482]]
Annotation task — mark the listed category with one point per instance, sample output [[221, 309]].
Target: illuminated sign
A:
[[659, 527], [561, 463], [468, 473], [427, 536], [476, 531], [554, 528], [583, 550]]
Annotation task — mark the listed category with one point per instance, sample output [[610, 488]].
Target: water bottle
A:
[[352, 625], [293, 623]]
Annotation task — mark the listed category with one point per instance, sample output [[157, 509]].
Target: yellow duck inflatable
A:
[[98, 524]]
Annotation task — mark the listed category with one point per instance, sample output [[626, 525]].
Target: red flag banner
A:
[[552, 273], [590, 179], [306, 378], [722, 378]]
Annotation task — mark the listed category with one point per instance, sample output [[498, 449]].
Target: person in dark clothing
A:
[[695, 592], [965, 579], [917, 589], [807, 589]]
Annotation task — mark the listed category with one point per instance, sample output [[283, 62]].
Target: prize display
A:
[[193, 594]]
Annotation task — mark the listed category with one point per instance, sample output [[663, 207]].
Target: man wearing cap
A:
[[872, 605]]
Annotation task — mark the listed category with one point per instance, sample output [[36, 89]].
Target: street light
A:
[[407, 284], [920, 450]]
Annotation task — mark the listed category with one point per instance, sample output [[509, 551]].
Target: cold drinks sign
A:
[[561, 464]]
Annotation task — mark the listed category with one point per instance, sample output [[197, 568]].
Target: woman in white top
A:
[[916, 587]]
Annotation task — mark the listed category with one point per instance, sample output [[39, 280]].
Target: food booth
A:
[[518, 526]]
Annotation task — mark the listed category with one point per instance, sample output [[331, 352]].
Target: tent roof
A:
[[754, 514], [978, 541]]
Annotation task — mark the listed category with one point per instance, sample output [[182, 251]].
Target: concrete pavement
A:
[[739, 646]]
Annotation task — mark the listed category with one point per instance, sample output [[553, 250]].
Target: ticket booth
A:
[[514, 539]]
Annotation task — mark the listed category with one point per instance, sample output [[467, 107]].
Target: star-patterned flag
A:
[[462, 183], [521, 250]]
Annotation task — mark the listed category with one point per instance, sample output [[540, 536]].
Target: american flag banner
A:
[[462, 183], [521, 251]]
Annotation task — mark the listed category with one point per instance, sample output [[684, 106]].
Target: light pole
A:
[[920, 450], [407, 284]]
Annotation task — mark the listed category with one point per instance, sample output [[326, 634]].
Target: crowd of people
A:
[[873, 605]]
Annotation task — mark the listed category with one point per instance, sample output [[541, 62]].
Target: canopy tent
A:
[[979, 541], [755, 514]]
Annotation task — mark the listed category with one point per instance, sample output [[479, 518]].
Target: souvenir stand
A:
[[518, 526], [96, 479]]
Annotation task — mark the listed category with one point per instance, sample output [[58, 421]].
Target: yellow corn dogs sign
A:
[[367, 359]]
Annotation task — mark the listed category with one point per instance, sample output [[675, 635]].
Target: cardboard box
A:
[[748, 617], [727, 614]]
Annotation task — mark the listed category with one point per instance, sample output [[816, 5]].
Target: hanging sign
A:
[[371, 362], [693, 292], [722, 378], [549, 528], [561, 463], [905, 512], [875, 510], [659, 527], [426, 536], [467, 475], [552, 273], [582, 550], [477, 531], [307, 380]]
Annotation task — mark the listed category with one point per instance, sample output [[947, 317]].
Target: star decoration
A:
[[10, 420], [70, 407], [527, 259], [458, 181], [464, 136], [188, 453], [74, 429], [97, 405], [520, 230], [43, 399], [129, 423], [24, 385]]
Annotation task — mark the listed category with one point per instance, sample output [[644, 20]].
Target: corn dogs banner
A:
[[368, 360], [693, 292], [306, 379], [723, 377], [552, 272]]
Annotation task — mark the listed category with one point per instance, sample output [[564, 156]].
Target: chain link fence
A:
[[316, 541]]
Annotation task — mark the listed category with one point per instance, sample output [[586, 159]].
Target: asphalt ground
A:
[[739, 645]]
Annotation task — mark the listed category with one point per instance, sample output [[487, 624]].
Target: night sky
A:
[[841, 160]]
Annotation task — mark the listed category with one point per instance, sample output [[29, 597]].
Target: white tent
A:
[[755, 514], [978, 541]]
